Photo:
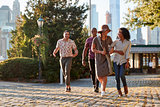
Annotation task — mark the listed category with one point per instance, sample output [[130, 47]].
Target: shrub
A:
[[145, 67], [52, 70], [19, 67]]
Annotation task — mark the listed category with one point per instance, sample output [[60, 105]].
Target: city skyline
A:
[[102, 6]]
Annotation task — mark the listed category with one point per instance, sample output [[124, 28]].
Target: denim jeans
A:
[[119, 73]]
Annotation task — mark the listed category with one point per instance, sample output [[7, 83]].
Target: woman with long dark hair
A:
[[121, 48]]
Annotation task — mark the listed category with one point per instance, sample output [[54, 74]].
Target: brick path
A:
[[144, 90]]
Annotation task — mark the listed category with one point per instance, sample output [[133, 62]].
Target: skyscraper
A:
[[5, 15], [153, 36], [139, 40], [94, 17], [108, 21], [114, 9], [7, 24], [16, 10], [139, 34], [0, 43]]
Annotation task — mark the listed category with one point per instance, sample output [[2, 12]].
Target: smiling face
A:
[[104, 33], [66, 35], [94, 32], [120, 35]]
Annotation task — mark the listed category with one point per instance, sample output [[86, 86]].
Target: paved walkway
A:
[[144, 90]]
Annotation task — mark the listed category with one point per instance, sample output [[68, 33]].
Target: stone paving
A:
[[144, 90]]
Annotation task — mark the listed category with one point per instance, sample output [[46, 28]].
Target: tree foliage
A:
[[146, 13], [58, 15], [21, 43]]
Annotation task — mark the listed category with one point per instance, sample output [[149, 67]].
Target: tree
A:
[[59, 15], [147, 13], [21, 44]]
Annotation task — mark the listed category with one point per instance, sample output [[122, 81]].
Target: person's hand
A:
[[54, 54], [111, 51], [127, 65], [84, 63], [103, 52], [73, 55]]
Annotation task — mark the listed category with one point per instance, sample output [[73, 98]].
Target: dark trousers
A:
[[119, 73], [93, 74], [66, 63]]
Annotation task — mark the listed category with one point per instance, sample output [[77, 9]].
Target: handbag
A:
[[108, 59]]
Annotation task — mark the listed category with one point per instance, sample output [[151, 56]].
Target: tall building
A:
[[94, 17], [5, 15], [153, 36], [7, 24], [0, 43], [114, 9], [108, 21], [5, 38], [139, 34], [148, 36], [139, 40], [16, 10]]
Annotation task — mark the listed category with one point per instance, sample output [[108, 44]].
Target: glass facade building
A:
[[94, 17], [114, 10]]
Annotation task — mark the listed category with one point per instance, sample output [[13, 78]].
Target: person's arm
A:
[[75, 49], [127, 55], [93, 48], [127, 64], [55, 51], [119, 52], [84, 55], [75, 52], [111, 50], [115, 51]]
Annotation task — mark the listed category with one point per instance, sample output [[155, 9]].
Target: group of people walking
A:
[[99, 49]]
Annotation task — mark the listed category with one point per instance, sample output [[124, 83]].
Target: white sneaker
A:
[[102, 93]]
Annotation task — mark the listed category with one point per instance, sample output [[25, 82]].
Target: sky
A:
[[102, 7]]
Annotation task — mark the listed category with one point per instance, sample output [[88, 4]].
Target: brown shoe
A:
[[120, 93], [126, 90], [68, 90]]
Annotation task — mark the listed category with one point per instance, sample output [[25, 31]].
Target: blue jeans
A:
[[119, 73]]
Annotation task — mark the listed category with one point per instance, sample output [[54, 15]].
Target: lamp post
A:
[[89, 17], [40, 22]]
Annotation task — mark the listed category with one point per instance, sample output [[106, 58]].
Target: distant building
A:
[[139, 40], [5, 38], [16, 10], [0, 43], [153, 36], [108, 21], [5, 13], [7, 24], [114, 9], [142, 55], [94, 17]]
